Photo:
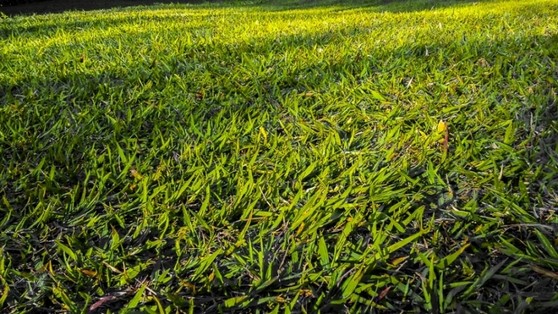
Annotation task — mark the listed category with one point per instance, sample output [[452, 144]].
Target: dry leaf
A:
[[135, 174], [384, 293], [102, 301], [200, 95], [483, 63], [443, 129], [89, 273], [545, 272]]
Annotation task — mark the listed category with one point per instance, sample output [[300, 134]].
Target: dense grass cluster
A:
[[281, 158]]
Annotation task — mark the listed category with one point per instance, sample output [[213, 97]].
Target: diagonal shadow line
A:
[[395, 6]]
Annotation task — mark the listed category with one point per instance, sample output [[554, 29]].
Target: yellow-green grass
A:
[[280, 157]]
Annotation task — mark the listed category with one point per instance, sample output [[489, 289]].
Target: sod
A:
[[356, 156]]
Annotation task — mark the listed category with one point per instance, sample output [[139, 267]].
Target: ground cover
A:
[[285, 157]]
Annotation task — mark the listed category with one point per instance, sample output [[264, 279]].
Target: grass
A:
[[285, 157]]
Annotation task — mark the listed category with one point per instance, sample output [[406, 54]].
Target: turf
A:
[[281, 157]]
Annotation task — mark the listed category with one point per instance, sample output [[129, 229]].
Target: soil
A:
[[57, 6]]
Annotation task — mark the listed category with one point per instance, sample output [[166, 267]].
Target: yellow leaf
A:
[[300, 229], [4, 294], [399, 260], [442, 126], [263, 132], [478, 229], [49, 267]]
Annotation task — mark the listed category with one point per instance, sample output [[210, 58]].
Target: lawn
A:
[[294, 156]]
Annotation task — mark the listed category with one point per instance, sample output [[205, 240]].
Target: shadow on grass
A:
[[46, 26], [59, 6], [54, 6]]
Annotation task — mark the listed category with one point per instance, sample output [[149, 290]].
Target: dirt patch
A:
[[57, 6]]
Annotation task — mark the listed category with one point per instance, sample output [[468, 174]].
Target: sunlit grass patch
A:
[[280, 157]]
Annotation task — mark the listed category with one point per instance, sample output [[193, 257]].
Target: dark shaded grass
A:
[[58, 6], [15, 8]]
